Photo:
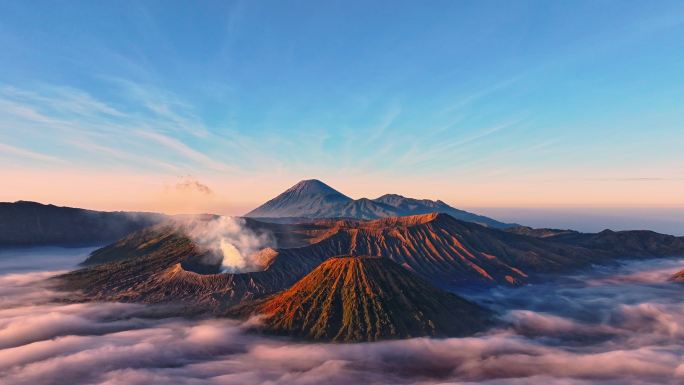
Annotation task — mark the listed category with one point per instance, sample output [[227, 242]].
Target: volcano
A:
[[162, 265], [363, 299], [314, 199]]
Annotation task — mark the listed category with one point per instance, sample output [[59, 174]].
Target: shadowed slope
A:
[[539, 233], [678, 277], [308, 198], [366, 299], [410, 206], [169, 275], [25, 223], [162, 265], [314, 199], [445, 250], [635, 243]]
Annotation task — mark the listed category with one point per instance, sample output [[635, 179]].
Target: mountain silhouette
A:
[[314, 199], [25, 223]]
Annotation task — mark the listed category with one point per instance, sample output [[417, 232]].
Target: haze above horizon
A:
[[217, 107]]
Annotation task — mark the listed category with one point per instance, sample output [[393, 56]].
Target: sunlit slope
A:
[[162, 265], [356, 299], [445, 250]]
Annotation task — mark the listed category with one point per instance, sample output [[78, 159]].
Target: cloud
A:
[[615, 333], [189, 183], [67, 118], [17, 151], [184, 150], [122, 156]]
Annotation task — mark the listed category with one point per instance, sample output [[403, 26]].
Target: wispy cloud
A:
[[17, 151], [184, 150], [124, 157], [484, 92], [63, 100], [64, 117], [419, 157], [164, 107]]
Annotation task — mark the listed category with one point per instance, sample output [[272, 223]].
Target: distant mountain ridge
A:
[[25, 223], [314, 199]]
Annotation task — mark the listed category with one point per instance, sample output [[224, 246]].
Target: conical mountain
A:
[[313, 187], [308, 198], [357, 299], [314, 199]]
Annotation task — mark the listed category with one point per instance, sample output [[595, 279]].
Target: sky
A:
[[218, 106]]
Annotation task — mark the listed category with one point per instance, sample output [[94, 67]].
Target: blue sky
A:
[[494, 103]]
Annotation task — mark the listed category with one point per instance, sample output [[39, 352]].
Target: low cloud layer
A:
[[584, 330]]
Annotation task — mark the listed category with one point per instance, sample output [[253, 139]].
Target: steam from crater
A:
[[229, 239]]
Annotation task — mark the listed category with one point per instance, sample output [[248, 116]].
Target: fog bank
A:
[[618, 325]]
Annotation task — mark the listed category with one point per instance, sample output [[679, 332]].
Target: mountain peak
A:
[[312, 198], [312, 187], [390, 196], [357, 299], [307, 198]]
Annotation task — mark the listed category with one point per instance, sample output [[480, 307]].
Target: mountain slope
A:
[[32, 224], [161, 265], [444, 250], [678, 277], [540, 232], [311, 197], [356, 299], [409, 206], [315, 199]]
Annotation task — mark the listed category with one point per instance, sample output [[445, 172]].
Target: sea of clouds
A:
[[617, 325]]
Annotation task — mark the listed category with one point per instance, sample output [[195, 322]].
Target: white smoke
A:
[[231, 240]]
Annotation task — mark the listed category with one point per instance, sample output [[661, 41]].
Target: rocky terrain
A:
[[360, 299], [162, 265], [539, 232], [348, 280], [678, 277]]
